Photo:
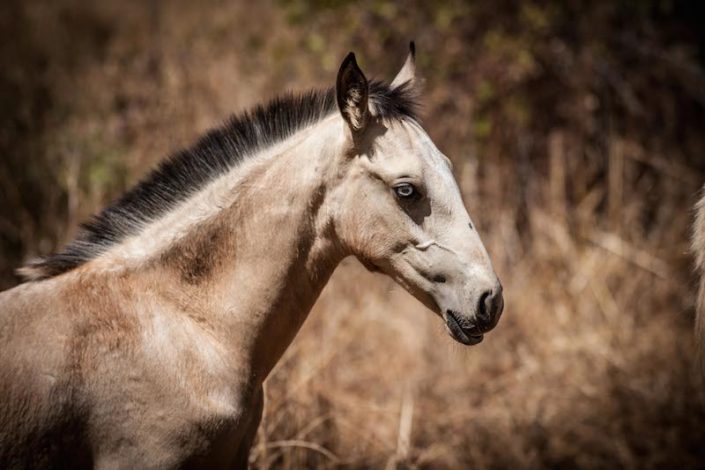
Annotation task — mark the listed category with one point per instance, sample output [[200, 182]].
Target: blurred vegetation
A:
[[576, 132]]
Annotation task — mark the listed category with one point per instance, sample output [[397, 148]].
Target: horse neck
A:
[[253, 271]]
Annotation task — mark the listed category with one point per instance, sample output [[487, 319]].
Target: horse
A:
[[698, 250], [144, 343]]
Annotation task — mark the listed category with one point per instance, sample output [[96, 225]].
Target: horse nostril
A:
[[490, 308], [498, 303], [484, 309], [439, 279]]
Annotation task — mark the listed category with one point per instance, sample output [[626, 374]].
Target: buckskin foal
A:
[[145, 342]]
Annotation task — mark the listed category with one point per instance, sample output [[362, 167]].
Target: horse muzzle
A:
[[470, 330]]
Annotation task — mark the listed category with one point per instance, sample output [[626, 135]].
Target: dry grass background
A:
[[576, 131]]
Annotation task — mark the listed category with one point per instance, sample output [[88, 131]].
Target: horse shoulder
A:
[[41, 418]]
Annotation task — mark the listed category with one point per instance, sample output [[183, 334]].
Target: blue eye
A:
[[405, 190]]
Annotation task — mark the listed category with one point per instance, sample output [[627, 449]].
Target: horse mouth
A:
[[468, 336]]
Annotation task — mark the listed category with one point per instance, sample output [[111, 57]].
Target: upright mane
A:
[[187, 171]]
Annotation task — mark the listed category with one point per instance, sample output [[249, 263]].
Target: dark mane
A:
[[187, 171]]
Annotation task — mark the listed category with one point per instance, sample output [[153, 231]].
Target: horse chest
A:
[[176, 433]]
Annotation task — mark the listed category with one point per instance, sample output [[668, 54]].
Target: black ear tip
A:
[[412, 48], [350, 59]]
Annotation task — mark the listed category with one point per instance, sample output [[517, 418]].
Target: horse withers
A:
[[145, 342]]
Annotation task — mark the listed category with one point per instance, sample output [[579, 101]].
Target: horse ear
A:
[[407, 74], [352, 92]]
